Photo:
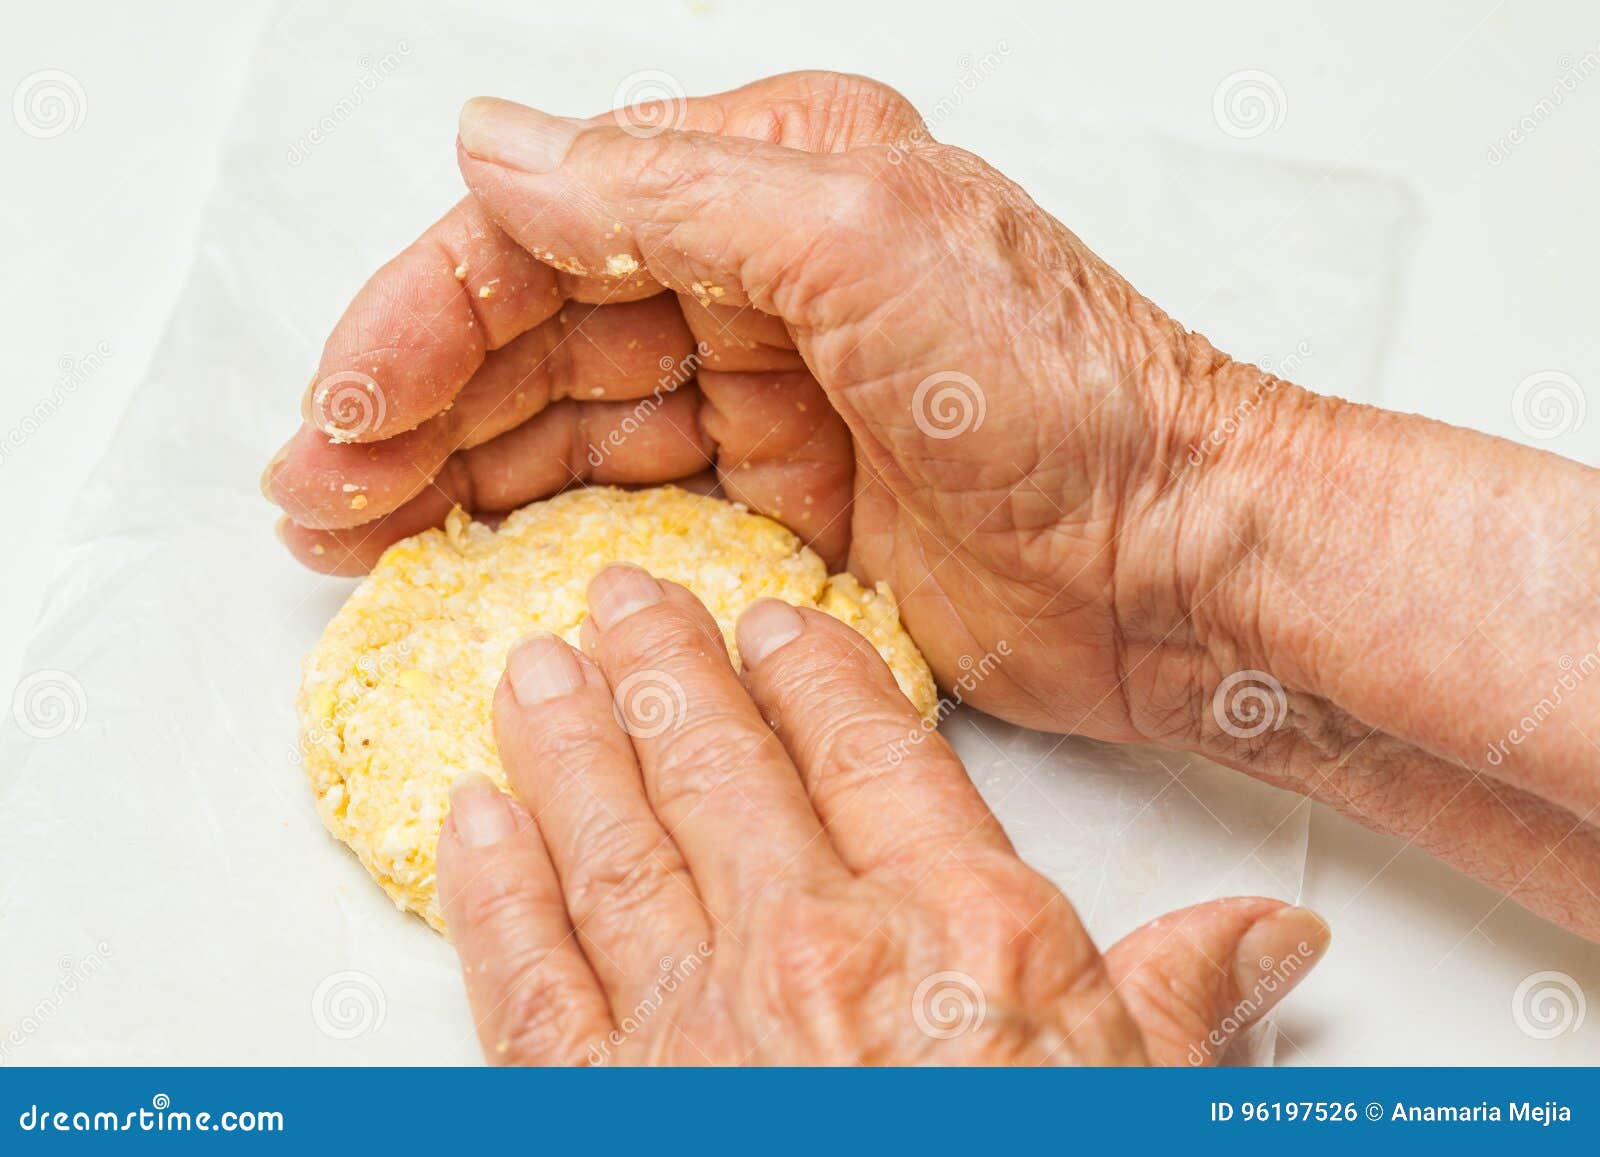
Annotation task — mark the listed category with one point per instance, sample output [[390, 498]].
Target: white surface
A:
[[98, 221]]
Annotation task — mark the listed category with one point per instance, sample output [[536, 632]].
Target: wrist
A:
[[1206, 540]]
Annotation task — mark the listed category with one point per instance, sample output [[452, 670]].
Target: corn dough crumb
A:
[[395, 699]]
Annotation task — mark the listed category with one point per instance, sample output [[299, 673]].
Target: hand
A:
[[722, 891], [1166, 545], [989, 390]]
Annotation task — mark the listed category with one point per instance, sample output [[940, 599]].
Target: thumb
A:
[[1196, 978], [816, 239]]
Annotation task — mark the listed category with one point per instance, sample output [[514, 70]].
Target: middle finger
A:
[[715, 773]]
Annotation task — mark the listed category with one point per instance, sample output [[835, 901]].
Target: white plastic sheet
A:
[[169, 895]]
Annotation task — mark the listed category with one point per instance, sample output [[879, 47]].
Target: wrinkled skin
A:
[[776, 873], [794, 295], [893, 266]]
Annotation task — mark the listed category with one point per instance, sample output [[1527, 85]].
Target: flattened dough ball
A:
[[395, 699]]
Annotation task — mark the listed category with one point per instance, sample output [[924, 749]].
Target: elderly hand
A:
[[897, 353], [756, 881]]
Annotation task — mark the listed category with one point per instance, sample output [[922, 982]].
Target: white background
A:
[[97, 226]]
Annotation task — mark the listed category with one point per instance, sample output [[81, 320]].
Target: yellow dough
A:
[[395, 699]]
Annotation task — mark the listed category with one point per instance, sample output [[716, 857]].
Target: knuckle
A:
[[665, 637], [1174, 1010], [621, 874], [541, 1017], [816, 946], [870, 192], [851, 745], [567, 738], [1003, 902], [834, 110], [494, 900], [698, 758], [659, 168]]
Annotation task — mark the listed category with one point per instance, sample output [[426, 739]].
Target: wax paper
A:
[[169, 895]]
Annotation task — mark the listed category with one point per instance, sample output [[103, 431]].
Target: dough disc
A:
[[395, 699]]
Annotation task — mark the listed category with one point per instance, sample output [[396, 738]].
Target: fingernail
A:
[[480, 810], [542, 667], [619, 591], [505, 133], [764, 627], [1277, 952]]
